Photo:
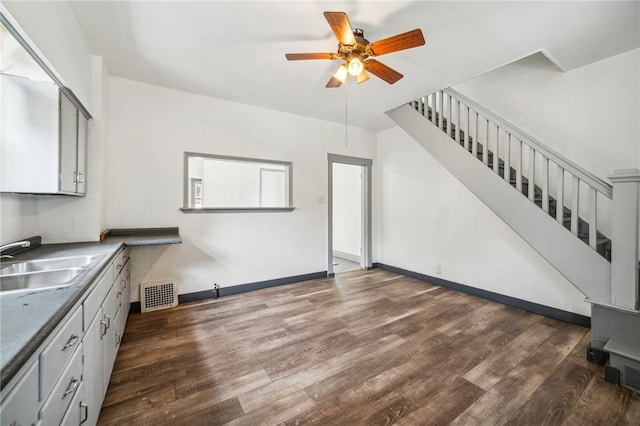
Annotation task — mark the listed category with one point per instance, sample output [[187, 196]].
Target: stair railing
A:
[[532, 168]]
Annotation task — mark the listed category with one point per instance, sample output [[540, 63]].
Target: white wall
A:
[[428, 222], [151, 127], [347, 209], [52, 30], [18, 217], [589, 115]]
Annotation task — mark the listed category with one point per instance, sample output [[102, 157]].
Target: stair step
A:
[[624, 349]]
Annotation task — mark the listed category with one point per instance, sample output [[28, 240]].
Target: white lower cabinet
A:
[[94, 388], [111, 310], [103, 313], [125, 286], [66, 380], [21, 405]]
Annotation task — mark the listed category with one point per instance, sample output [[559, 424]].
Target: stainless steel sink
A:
[[47, 264], [39, 280]]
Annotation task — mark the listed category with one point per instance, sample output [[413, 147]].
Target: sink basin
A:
[[48, 264], [39, 280]]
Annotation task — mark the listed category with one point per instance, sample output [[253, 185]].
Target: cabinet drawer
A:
[[121, 260], [21, 406], [59, 351], [96, 297], [124, 277], [63, 392], [112, 302]]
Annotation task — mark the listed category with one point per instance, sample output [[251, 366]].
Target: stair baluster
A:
[[524, 162]]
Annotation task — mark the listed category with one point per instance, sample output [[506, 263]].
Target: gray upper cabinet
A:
[[43, 139]]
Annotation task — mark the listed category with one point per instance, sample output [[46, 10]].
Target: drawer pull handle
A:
[[106, 324], [73, 385], [86, 412], [72, 341]]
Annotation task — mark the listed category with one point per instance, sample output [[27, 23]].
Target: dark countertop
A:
[[27, 318], [145, 236]]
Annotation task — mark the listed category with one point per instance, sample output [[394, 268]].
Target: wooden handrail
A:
[[582, 174]]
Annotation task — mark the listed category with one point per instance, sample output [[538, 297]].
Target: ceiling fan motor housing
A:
[[361, 49]]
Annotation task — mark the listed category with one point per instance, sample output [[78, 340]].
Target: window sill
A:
[[190, 210]]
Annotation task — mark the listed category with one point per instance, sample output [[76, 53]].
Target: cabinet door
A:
[[68, 144], [21, 406], [125, 303], [111, 311], [81, 175], [28, 135], [92, 377], [77, 412], [94, 301]]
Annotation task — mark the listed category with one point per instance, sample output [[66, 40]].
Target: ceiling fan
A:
[[357, 53]]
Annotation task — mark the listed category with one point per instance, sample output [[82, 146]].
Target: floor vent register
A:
[[158, 295]]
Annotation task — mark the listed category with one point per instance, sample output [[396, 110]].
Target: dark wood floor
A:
[[371, 348]]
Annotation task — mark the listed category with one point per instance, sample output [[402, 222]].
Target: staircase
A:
[[583, 226], [541, 196]]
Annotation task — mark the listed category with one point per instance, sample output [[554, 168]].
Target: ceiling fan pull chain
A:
[[346, 114]]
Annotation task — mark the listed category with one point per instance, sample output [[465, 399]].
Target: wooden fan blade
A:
[[341, 27], [333, 82], [382, 71], [398, 42], [303, 56]]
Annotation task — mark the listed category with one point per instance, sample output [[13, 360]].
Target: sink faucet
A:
[[12, 245]]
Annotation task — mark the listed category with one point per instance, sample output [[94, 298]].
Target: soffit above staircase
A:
[[235, 50]]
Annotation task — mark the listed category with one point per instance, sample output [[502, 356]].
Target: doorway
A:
[[349, 211]]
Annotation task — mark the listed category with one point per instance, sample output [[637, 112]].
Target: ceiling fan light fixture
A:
[[362, 77], [358, 53], [355, 67], [341, 73]]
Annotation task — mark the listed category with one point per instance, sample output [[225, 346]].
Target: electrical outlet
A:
[[438, 269]]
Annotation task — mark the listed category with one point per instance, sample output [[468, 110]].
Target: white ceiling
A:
[[234, 50]]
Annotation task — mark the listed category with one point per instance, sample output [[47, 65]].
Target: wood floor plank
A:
[[498, 364], [503, 401], [552, 402], [127, 410], [365, 347], [444, 405], [212, 415], [603, 404], [277, 411], [224, 387], [137, 381]]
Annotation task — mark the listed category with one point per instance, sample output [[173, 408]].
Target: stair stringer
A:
[[587, 270]]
